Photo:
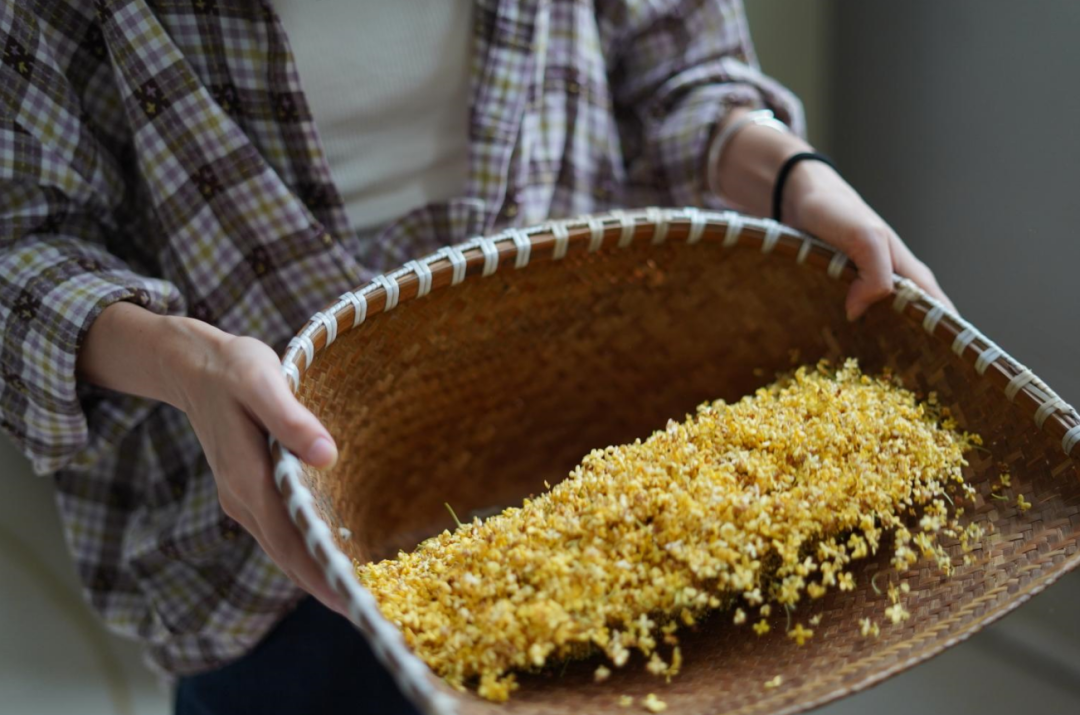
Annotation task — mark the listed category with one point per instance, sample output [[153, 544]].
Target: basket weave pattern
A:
[[528, 349]]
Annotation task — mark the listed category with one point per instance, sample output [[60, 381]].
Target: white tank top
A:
[[387, 83]]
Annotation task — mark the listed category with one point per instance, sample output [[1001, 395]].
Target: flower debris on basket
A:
[[766, 500]]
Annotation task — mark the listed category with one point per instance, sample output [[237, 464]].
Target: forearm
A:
[[135, 351]]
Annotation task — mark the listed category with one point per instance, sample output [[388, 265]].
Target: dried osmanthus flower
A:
[[767, 500]]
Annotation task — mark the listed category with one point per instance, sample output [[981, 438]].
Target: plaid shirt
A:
[[161, 152]]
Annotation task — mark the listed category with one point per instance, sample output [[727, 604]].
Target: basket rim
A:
[[483, 256]]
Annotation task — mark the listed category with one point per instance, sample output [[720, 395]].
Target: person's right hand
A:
[[233, 399], [233, 392]]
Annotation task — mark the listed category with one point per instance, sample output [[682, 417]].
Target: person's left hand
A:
[[818, 200]]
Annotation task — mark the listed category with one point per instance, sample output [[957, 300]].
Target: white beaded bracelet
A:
[[761, 117]]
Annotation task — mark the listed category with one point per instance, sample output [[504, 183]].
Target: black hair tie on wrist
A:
[[785, 170]]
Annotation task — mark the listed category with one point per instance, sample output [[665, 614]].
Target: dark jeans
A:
[[313, 663]]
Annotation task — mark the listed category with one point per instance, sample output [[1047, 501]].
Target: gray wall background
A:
[[796, 43], [960, 121]]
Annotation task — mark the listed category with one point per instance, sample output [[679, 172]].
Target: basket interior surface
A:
[[475, 395]]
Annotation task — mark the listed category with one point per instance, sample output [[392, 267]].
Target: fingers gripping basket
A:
[[473, 375]]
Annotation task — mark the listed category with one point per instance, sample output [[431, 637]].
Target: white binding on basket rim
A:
[[987, 358], [458, 264], [391, 288], [906, 291], [491, 254], [734, 230], [300, 495], [359, 306], [1071, 438], [933, 317], [626, 227], [303, 342], [659, 219], [963, 339], [1047, 408], [287, 463], [523, 245], [329, 323], [562, 239], [697, 225], [292, 375], [410, 673], [1017, 382], [804, 250], [423, 276], [836, 265], [772, 235], [596, 233]]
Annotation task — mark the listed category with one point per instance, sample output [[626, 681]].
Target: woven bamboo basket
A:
[[473, 375]]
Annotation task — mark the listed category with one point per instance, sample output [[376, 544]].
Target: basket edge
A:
[[451, 265]]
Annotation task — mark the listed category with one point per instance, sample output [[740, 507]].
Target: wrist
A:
[[805, 180], [748, 166], [135, 351], [188, 353]]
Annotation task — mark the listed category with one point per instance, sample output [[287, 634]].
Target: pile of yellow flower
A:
[[747, 506]]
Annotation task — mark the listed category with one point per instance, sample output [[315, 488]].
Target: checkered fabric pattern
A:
[[161, 152]]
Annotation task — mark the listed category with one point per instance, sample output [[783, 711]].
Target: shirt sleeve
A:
[[676, 68], [59, 191]]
